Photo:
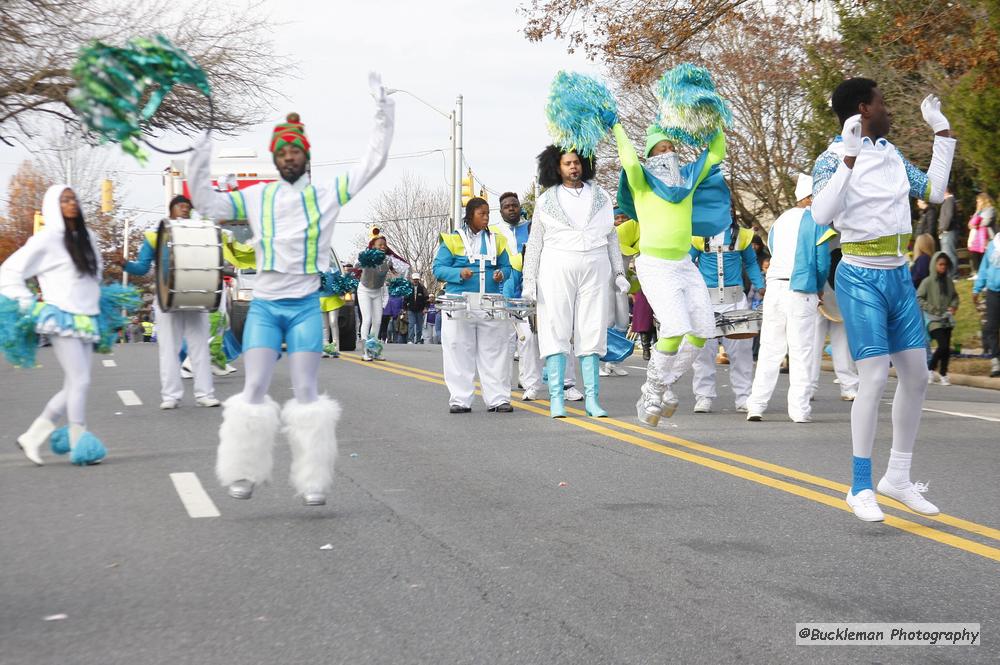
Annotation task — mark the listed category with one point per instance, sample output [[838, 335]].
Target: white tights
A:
[[258, 367], [331, 327], [74, 356], [907, 403], [371, 304]]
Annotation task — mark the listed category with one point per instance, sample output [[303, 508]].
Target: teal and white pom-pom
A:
[[18, 341], [59, 441], [580, 112], [115, 299], [400, 286], [690, 110], [371, 258]]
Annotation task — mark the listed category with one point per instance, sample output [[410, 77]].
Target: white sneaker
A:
[[529, 395], [742, 407], [230, 369], [933, 377], [703, 405], [208, 400], [168, 404], [848, 397], [944, 381], [186, 373], [219, 371], [865, 506], [911, 496], [802, 419], [571, 394], [754, 416], [605, 371]]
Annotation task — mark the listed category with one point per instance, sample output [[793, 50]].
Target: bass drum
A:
[[188, 265]]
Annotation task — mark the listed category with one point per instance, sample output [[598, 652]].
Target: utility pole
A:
[[457, 194]]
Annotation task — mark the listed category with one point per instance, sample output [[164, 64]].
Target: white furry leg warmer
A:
[[246, 440], [312, 435]]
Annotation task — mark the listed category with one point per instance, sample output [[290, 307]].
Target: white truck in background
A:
[[238, 169]]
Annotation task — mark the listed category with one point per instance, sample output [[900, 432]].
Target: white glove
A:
[[622, 283], [376, 88], [930, 108], [529, 291], [851, 135]]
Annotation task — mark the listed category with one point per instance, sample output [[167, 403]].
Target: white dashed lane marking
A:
[[129, 398], [109, 363], [194, 497]]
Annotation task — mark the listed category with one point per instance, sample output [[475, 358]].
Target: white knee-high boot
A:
[[31, 442], [312, 435], [246, 441]]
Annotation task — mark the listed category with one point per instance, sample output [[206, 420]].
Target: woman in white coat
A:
[[571, 260], [65, 259]]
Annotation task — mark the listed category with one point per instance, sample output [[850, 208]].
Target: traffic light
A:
[[482, 194], [467, 189], [107, 196]]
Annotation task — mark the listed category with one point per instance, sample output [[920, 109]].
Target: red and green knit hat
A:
[[291, 132]]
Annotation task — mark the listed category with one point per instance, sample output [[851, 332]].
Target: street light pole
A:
[[455, 118], [458, 161]]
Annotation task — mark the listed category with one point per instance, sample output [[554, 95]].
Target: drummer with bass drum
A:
[[800, 263], [173, 326]]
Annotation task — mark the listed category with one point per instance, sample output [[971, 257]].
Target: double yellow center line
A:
[[681, 449]]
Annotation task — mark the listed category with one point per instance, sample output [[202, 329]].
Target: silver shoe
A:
[[314, 499], [241, 489]]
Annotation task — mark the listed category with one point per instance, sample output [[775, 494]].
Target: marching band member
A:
[[664, 207], [515, 229], [572, 259], [861, 186], [843, 365], [800, 262], [734, 248], [173, 328], [474, 260], [66, 261], [292, 221]]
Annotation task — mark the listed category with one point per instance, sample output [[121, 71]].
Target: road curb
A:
[[956, 379]]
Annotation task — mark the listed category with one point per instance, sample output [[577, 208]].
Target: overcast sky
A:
[[437, 50]]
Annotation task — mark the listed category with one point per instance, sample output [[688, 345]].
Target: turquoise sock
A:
[[862, 475]]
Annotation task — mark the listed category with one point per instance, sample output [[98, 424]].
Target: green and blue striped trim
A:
[[310, 205], [239, 205], [343, 193], [267, 225]]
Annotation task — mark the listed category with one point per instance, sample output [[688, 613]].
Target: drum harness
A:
[[725, 295]]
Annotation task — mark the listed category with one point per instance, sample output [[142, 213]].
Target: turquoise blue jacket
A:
[[812, 255], [451, 260], [733, 262], [988, 276], [144, 261]]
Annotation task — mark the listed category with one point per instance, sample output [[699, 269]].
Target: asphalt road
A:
[[488, 538]]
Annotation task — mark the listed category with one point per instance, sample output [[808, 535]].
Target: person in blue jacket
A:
[[800, 264], [174, 327], [734, 245], [474, 260], [988, 285]]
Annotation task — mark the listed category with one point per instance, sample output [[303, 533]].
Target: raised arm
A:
[[143, 262], [347, 185], [207, 201], [628, 157]]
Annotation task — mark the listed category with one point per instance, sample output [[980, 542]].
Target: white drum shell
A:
[[188, 265]]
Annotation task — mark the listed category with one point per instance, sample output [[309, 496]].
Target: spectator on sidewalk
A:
[[416, 304], [939, 301], [980, 228], [988, 284], [923, 249], [927, 220], [948, 229]]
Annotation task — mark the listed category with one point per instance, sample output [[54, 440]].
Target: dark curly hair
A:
[[548, 166], [849, 95]]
